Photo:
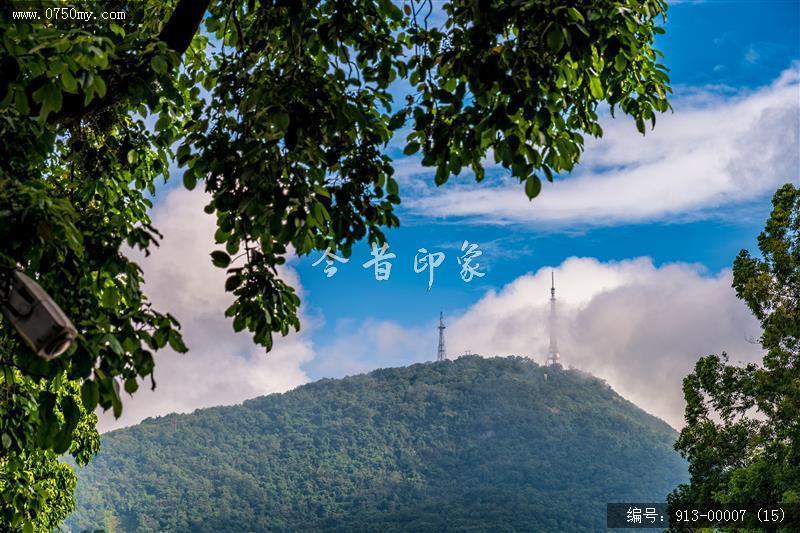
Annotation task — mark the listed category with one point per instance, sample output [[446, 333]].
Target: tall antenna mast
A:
[[553, 357], [441, 355]]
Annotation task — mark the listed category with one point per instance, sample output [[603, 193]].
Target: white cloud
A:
[[714, 151], [364, 346], [222, 367], [638, 326], [751, 55], [761, 51], [625, 322]]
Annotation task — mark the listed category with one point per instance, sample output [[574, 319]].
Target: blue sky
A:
[[733, 47], [641, 237]]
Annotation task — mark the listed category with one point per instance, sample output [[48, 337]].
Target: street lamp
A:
[[35, 316]]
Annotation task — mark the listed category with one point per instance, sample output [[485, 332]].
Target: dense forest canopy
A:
[[280, 109], [474, 444]]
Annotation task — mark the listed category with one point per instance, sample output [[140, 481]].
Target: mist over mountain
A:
[[473, 444]]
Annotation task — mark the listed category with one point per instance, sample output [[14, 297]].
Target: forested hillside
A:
[[470, 445]]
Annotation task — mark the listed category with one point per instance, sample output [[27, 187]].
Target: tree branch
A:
[[183, 24], [177, 33]]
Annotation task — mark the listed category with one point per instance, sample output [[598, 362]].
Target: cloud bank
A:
[[638, 326], [631, 323], [222, 367], [715, 150]]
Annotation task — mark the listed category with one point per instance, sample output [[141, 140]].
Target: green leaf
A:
[[533, 186], [56, 68], [50, 97], [160, 337], [620, 63], [131, 385], [411, 148], [163, 122], [233, 282], [391, 186], [110, 297], [90, 395], [21, 102], [158, 65], [220, 259], [575, 14], [99, 86], [441, 176], [116, 402], [117, 30], [189, 179], [596, 87], [281, 120], [397, 120], [71, 412], [62, 441], [183, 153], [391, 10], [555, 39], [68, 82], [176, 342], [113, 343]]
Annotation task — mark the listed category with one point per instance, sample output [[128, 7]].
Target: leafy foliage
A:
[[742, 434], [35, 487], [473, 444], [282, 111]]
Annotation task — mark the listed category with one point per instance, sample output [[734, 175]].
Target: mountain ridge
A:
[[459, 444]]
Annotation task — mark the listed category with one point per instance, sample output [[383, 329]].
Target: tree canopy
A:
[[473, 444], [281, 110], [742, 434]]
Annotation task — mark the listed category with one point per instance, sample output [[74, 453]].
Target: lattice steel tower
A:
[[553, 357], [441, 355]]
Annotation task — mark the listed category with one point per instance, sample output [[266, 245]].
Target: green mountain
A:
[[473, 444]]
